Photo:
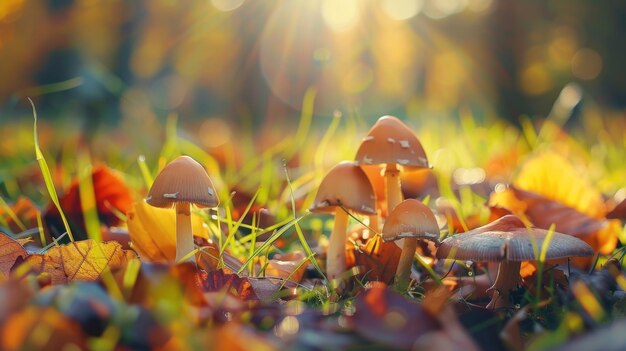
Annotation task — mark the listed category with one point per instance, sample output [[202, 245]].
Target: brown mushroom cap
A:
[[411, 219], [345, 185], [182, 180], [391, 141], [508, 239]]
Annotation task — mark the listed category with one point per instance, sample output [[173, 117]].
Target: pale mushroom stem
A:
[[336, 255], [392, 183], [184, 234], [506, 281], [403, 272], [373, 222]]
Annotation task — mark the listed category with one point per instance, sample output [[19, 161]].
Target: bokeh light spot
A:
[[215, 132], [402, 9], [341, 15], [536, 79], [227, 5], [586, 64]]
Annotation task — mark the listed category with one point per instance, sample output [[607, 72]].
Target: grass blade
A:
[[47, 177]]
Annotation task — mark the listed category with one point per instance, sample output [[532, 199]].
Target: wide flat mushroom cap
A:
[[508, 239], [391, 141], [411, 219], [182, 180], [345, 185]]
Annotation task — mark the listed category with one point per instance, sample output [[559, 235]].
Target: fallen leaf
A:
[[79, 261], [618, 212], [35, 328], [231, 283], [152, 232], [287, 266], [25, 211], [10, 251], [111, 194], [550, 190], [376, 260], [384, 316]]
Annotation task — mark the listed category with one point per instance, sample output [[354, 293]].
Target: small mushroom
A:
[[507, 240], [392, 143], [410, 220], [181, 183], [347, 186]]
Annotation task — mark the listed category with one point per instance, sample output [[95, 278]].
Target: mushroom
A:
[[391, 143], [410, 220], [181, 183], [344, 187], [509, 241]]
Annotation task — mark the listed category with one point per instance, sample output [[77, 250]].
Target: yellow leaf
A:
[[152, 232], [80, 260], [552, 176]]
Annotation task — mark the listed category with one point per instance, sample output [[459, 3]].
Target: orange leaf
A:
[[377, 260], [111, 196], [40, 329], [79, 261], [10, 251]]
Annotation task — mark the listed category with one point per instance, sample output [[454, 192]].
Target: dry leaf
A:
[[152, 232], [284, 266], [384, 316], [376, 260], [618, 212], [549, 190], [79, 261], [10, 251], [25, 210]]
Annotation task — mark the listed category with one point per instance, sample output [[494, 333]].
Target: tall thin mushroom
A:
[[410, 220], [347, 186], [508, 241], [391, 143], [181, 183]]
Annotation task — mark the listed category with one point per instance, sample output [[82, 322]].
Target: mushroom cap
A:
[[411, 219], [182, 180], [345, 185], [391, 141], [508, 239]]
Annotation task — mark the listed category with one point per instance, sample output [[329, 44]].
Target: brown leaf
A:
[[384, 316], [79, 261], [376, 260], [231, 283], [287, 266], [10, 251], [618, 212]]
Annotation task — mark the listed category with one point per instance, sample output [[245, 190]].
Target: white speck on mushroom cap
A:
[[391, 140], [210, 191], [423, 160], [367, 208], [170, 196], [367, 160], [403, 161], [405, 144], [368, 138]]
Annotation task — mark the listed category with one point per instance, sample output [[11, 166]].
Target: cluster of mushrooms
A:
[[346, 187], [391, 143]]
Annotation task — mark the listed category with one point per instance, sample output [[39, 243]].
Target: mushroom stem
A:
[[506, 281], [403, 272], [184, 234], [373, 222], [392, 183], [336, 255]]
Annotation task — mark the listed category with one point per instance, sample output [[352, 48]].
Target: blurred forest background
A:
[[105, 64]]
